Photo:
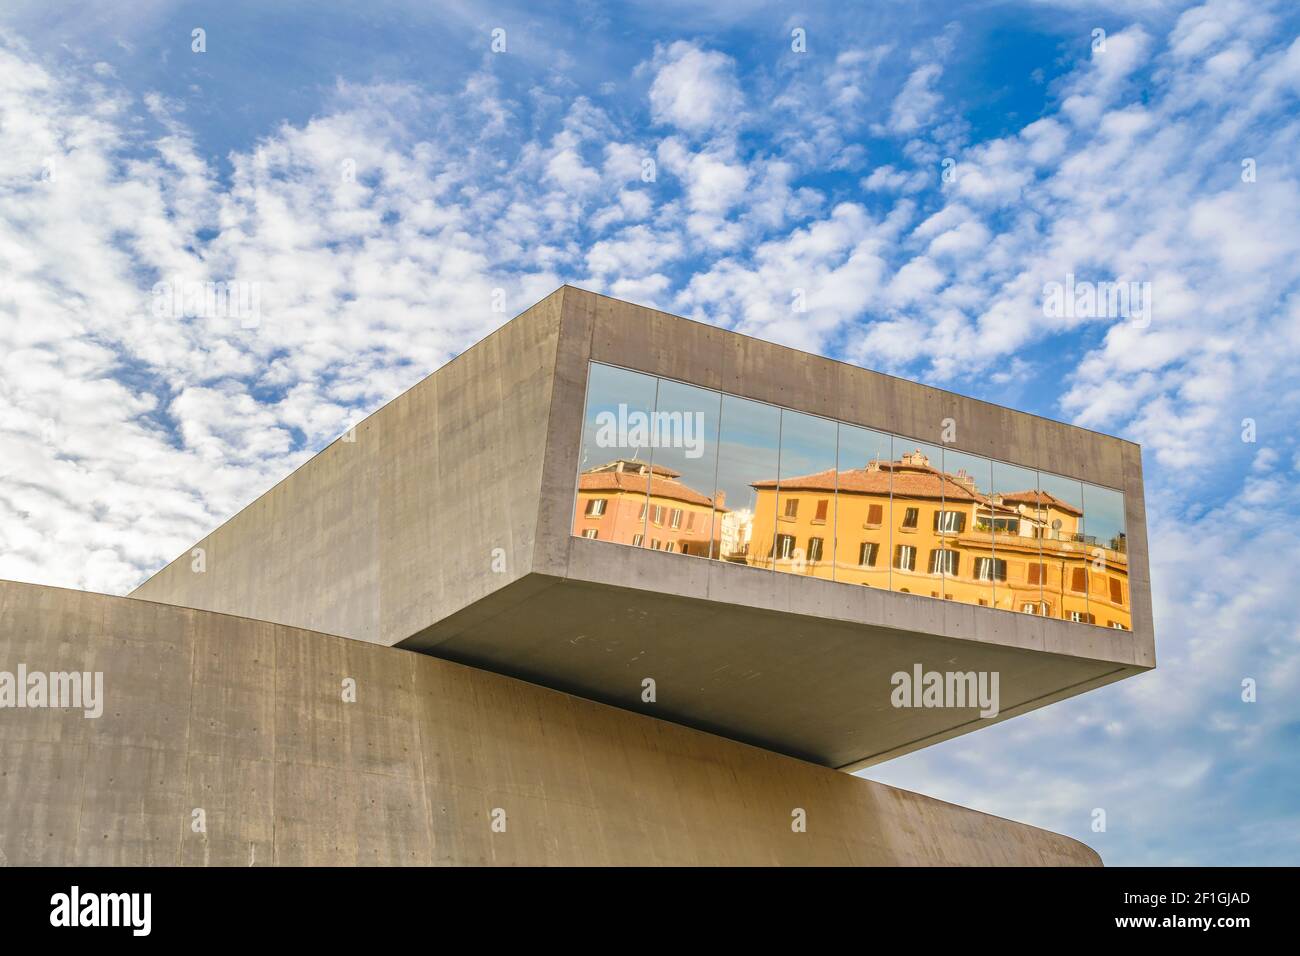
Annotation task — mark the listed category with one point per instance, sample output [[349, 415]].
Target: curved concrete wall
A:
[[246, 720]]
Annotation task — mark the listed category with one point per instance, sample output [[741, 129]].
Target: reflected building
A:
[[633, 502], [737, 529], [907, 526], [913, 518]]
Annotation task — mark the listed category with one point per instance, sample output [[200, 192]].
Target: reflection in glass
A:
[[1017, 519], [614, 463], [1065, 552], [965, 530], [916, 480], [678, 468], [805, 496], [683, 465], [748, 455], [862, 516], [1107, 541]]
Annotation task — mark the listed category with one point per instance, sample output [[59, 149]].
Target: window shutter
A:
[[873, 514], [1079, 580], [822, 505]]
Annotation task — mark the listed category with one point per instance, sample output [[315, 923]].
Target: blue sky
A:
[[394, 190]]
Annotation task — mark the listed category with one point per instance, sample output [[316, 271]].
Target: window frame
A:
[[902, 550], [937, 557], [782, 554]]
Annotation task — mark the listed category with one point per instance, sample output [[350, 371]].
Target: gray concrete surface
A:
[[813, 687], [246, 720]]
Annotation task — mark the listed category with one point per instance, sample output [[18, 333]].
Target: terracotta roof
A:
[[909, 481], [1033, 497], [625, 482]]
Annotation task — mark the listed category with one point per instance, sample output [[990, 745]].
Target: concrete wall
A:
[[378, 537], [245, 719]]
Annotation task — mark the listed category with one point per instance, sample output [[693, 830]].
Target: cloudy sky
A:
[[387, 182]]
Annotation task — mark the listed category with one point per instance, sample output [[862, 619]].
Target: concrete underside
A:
[[810, 687], [245, 720]]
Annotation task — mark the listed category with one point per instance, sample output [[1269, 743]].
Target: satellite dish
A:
[[1056, 524]]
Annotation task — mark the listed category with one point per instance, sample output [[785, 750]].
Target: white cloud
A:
[[694, 89], [888, 179], [916, 103]]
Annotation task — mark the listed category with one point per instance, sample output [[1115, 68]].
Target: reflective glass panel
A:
[[1017, 519], [1107, 540], [683, 466], [748, 467], [916, 483], [614, 461], [805, 504], [686, 470], [862, 515], [970, 567], [1065, 553]]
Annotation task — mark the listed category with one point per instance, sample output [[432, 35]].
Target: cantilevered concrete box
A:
[[444, 524]]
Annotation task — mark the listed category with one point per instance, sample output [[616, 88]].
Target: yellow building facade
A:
[[631, 502], [906, 526]]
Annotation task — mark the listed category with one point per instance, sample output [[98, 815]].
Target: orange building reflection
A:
[[901, 525], [632, 502]]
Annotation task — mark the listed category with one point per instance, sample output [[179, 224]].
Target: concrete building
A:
[[612, 586]]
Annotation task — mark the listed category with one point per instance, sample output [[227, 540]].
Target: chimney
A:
[[720, 498], [965, 480]]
